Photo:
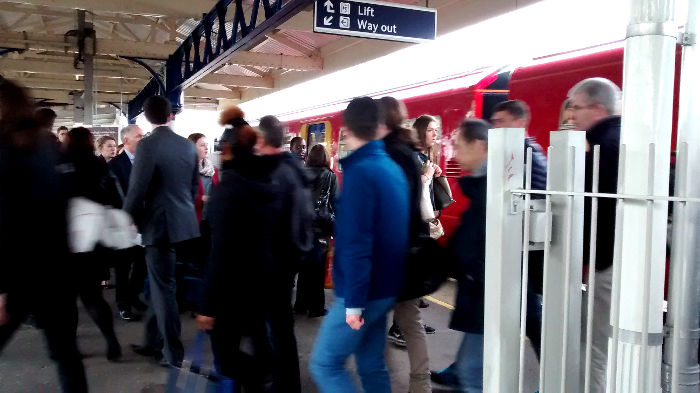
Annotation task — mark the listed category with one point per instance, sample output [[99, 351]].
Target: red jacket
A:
[[199, 202]]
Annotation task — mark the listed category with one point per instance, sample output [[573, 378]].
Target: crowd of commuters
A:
[[265, 211]]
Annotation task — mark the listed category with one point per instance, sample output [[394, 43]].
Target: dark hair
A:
[[516, 108], [474, 129], [421, 126], [241, 140], [103, 139], [196, 137], [272, 131], [62, 128], [45, 117], [362, 117], [295, 141], [18, 126], [80, 141], [157, 110], [318, 157], [394, 117]]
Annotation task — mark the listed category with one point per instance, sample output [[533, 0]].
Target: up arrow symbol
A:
[[329, 7], [327, 20]]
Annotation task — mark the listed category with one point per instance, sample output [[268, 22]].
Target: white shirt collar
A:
[[131, 156]]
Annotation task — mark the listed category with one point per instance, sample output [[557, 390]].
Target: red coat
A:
[[199, 202]]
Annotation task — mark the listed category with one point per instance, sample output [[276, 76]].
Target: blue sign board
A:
[[375, 19]]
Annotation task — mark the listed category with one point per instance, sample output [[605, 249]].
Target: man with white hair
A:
[[595, 103], [128, 288]]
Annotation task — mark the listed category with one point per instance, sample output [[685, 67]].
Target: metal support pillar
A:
[[504, 227], [561, 318], [88, 44], [680, 372], [634, 352]]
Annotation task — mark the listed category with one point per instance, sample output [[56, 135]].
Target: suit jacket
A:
[[121, 169], [163, 186]]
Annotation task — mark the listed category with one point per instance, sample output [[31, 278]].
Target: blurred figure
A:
[[61, 133], [241, 256], [208, 174], [311, 296], [162, 189], [45, 117], [594, 103], [298, 147], [107, 147], [372, 239], [468, 247], [566, 116], [408, 328], [91, 179], [130, 267], [295, 239], [36, 280]]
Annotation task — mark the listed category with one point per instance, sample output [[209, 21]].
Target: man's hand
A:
[[205, 323], [355, 321], [4, 316]]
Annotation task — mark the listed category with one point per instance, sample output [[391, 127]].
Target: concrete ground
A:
[[25, 368]]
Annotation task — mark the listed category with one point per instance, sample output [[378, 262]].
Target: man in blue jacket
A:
[[371, 242]]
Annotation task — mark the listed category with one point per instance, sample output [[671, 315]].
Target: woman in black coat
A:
[[311, 296], [91, 179]]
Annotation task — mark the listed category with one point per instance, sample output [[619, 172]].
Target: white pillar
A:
[[634, 361], [503, 259], [561, 322], [681, 370]]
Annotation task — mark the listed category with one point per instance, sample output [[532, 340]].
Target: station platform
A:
[[25, 367]]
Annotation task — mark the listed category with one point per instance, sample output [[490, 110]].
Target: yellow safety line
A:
[[440, 302]]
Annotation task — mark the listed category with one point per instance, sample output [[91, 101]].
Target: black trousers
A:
[[57, 315], [283, 342], [90, 293], [163, 311], [130, 268], [242, 352], [311, 283]]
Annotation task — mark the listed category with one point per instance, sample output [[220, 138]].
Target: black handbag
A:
[[325, 216], [442, 193], [426, 269]]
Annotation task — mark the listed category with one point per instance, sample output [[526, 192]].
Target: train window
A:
[[316, 135]]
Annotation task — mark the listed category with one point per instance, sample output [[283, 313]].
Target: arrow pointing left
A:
[[327, 20]]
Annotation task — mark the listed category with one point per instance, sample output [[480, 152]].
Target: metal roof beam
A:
[[298, 63], [184, 9], [52, 42], [45, 67], [210, 93], [53, 84], [65, 97], [239, 81]]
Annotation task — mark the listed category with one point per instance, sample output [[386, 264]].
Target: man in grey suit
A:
[[162, 189]]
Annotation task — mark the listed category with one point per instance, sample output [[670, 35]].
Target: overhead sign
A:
[[375, 19]]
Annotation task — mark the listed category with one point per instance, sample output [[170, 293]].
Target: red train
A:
[[543, 85]]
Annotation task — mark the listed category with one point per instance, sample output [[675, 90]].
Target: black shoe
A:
[[317, 314], [128, 316], [428, 329], [423, 304], [144, 351], [396, 337], [139, 305], [114, 352]]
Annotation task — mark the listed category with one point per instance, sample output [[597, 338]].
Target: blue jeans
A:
[[337, 341], [470, 363]]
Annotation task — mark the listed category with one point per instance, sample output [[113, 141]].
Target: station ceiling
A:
[[153, 29]]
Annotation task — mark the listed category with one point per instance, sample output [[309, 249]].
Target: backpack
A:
[[325, 215]]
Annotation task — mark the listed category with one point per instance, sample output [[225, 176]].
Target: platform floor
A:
[[25, 368]]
